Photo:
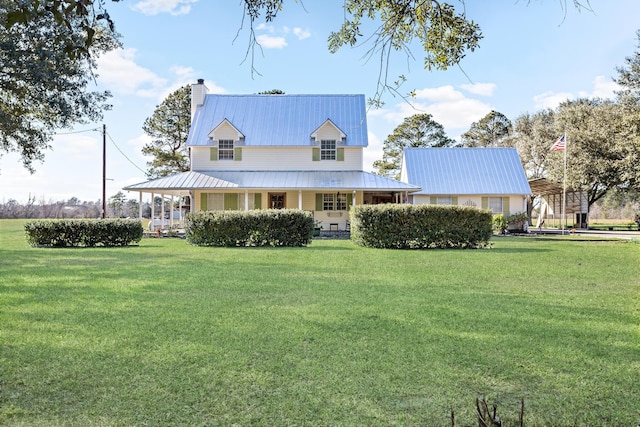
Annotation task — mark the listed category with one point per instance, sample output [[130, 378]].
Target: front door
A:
[[277, 200]]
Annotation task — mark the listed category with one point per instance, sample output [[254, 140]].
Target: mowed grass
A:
[[333, 334]]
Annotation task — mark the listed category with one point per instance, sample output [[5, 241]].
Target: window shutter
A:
[[318, 201], [231, 202], [257, 201], [506, 209], [203, 202], [454, 201], [213, 154], [237, 153], [315, 154], [485, 203], [433, 200], [340, 154], [349, 200]]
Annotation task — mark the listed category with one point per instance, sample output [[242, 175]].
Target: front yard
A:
[[332, 334]]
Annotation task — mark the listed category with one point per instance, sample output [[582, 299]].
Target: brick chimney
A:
[[198, 93]]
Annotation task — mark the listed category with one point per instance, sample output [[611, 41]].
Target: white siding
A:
[[276, 158], [225, 131], [517, 204], [328, 131]]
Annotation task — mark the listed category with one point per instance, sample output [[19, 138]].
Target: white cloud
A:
[[439, 94], [119, 72], [602, 87], [484, 89], [551, 99], [373, 152], [271, 42], [301, 34], [155, 7], [265, 27], [449, 107]]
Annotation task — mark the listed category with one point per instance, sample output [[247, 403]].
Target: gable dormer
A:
[[328, 130], [227, 141], [329, 140]]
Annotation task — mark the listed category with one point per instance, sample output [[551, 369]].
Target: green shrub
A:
[[83, 232], [500, 223], [271, 227], [516, 221], [420, 226]]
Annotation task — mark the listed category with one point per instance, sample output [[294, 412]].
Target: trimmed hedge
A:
[[270, 227], [420, 226], [83, 232]]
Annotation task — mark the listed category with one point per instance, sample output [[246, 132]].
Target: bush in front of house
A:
[[270, 227], [420, 226], [83, 232]]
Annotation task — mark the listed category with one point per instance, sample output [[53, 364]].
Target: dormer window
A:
[[328, 149], [225, 149]]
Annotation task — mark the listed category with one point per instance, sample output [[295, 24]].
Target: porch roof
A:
[[182, 183]]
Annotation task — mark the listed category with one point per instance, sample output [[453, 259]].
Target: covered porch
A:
[[329, 195]]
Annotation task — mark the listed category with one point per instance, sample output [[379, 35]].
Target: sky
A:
[[533, 56]]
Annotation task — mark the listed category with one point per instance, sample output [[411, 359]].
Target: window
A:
[[252, 201], [444, 201], [215, 202], [495, 204], [334, 202], [328, 149], [328, 201], [225, 149]]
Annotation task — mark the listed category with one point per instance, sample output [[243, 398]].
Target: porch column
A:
[[171, 213], [153, 208], [140, 206], [353, 198], [246, 200], [300, 199], [162, 211]]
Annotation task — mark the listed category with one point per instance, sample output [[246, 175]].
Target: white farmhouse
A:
[[278, 151]]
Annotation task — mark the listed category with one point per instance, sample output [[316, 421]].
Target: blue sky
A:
[[533, 56]]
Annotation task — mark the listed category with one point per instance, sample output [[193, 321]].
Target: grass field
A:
[[168, 334]]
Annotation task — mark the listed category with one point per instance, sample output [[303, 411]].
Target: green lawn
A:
[[333, 334]]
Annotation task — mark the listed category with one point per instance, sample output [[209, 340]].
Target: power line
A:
[[124, 155], [78, 131]]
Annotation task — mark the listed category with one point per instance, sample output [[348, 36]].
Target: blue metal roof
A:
[[468, 171], [280, 120]]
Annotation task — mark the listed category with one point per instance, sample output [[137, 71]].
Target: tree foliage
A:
[[168, 128], [596, 147], [629, 98], [492, 130], [45, 72], [532, 136], [419, 130]]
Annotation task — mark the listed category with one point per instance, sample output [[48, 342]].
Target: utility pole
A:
[[104, 171]]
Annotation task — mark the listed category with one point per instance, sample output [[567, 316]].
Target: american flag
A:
[[559, 145]]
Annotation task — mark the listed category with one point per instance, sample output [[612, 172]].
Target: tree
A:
[[532, 136], [629, 98], [116, 203], [169, 128], [44, 75], [597, 152], [272, 92], [419, 130], [492, 130]]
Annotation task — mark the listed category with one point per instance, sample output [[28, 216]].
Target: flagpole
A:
[[564, 185]]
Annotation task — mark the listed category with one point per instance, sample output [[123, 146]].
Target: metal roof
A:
[[271, 180], [468, 171], [280, 120]]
